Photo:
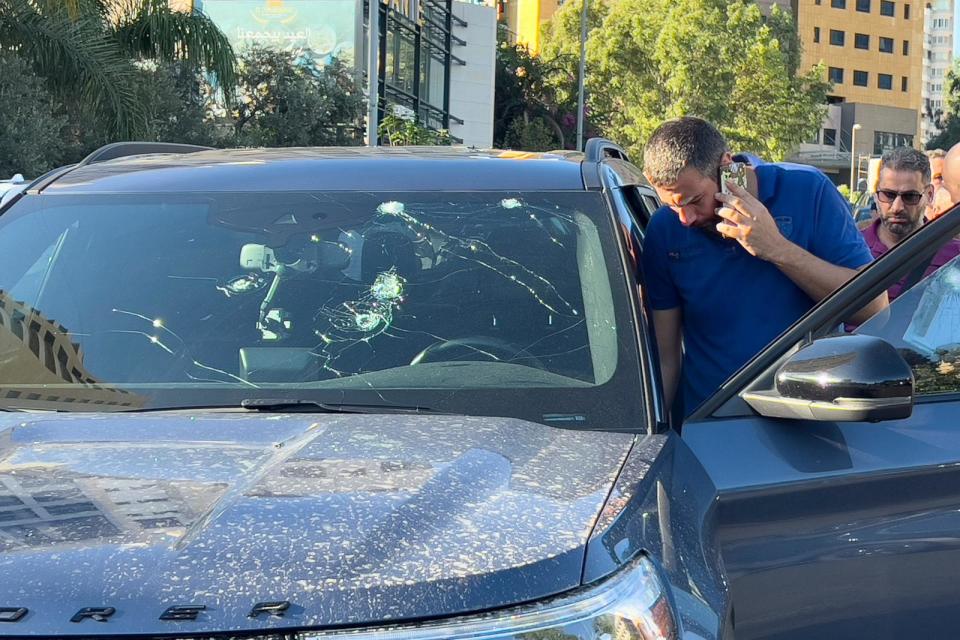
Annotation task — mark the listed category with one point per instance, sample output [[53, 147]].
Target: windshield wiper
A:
[[282, 405]]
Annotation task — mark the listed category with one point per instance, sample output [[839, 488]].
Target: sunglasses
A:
[[909, 198]]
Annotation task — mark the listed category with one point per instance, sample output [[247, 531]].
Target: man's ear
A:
[[726, 159]]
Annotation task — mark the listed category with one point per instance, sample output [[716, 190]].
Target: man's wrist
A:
[[783, 253]]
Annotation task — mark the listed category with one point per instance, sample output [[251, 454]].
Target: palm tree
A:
[[86, 49]]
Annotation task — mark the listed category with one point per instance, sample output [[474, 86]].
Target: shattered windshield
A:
[[463, 302]]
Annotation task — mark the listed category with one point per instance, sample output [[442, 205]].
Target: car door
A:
[[845, 528]]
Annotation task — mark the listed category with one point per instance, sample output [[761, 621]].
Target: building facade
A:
[[523, 19], [436, 56], [873, 52], [937, 61]]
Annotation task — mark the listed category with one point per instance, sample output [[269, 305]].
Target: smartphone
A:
[[735, 172]]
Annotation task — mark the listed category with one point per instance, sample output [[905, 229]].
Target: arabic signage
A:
[[318, 31]]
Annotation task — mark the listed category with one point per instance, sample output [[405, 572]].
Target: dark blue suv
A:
[[413, 393]]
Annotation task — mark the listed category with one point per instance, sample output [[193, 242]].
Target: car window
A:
[[463, 298], [923, 323]]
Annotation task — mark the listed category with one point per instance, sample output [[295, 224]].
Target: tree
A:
[[950, 117], [29, 131], [535, 100], [281, 103], [649, 60], [86, 50]]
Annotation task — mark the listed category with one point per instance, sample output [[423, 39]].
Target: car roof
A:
[[325, 169]]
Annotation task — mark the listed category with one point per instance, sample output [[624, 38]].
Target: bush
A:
[[532, 135], [30, 126], [282, 103], [401, 127]]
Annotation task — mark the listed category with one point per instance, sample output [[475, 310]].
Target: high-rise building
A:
[[873, 53], [523, 19], [937, 60]]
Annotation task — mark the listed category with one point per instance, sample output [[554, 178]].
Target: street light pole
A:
[[853, 156], [583, 61], [373, 74]]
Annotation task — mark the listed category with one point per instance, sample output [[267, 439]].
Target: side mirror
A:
[[850, 378]]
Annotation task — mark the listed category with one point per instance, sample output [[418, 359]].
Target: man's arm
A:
[[818, 278], [667, 324], [749, 222]]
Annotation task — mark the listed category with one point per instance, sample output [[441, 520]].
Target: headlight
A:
[[633, 605]]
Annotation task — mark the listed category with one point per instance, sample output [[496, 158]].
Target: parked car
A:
[[413, 393], [11, 186]]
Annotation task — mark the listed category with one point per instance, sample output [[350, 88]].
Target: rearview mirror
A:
[[850, 378]]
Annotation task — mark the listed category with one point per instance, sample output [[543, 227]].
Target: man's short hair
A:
[[906, 159], [681, 143], [936, 153]]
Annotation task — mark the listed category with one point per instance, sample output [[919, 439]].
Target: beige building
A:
[[873, 49], [873, 52]]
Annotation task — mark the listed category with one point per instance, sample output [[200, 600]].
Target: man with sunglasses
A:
[[903, 194]]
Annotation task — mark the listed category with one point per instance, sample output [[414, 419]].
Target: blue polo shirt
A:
[[734, 304]]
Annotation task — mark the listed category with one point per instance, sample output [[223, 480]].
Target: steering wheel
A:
[[479, 347]]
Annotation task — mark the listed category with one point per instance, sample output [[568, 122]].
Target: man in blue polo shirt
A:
[[726, 274]]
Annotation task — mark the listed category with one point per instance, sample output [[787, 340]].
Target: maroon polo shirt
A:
[[947, 252]]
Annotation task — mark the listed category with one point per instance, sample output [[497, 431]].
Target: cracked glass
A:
[[475, 302]]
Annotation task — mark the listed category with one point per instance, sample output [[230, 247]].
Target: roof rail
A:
[[598, 149], [123, 149]]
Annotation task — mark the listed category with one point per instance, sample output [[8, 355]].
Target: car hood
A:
[[351, 519]]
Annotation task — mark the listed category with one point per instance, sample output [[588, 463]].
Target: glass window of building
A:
[[886, 45], [836, 37], [830, 137], [903, 83], [838, 4], [883, 141], [816, 34], [887, 8], [863, 5], [906, 47], [906, 11], [861, 78], [885, 81], [861, 41], [835, 74]]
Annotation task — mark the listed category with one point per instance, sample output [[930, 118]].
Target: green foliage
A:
[[649, 60], [175, 105], [30, 140], [950, 119], [283, 104], [539, 92], [530, 135], [398, 130], [86, 49]]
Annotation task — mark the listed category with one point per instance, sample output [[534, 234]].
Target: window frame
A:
[[863, 76], [883, 40], [838, 38], [861, 38], [888, 8]]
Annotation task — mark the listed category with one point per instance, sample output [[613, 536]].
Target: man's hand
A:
[[749, 223]]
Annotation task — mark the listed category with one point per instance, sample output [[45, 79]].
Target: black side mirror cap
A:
[[852, 378]]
